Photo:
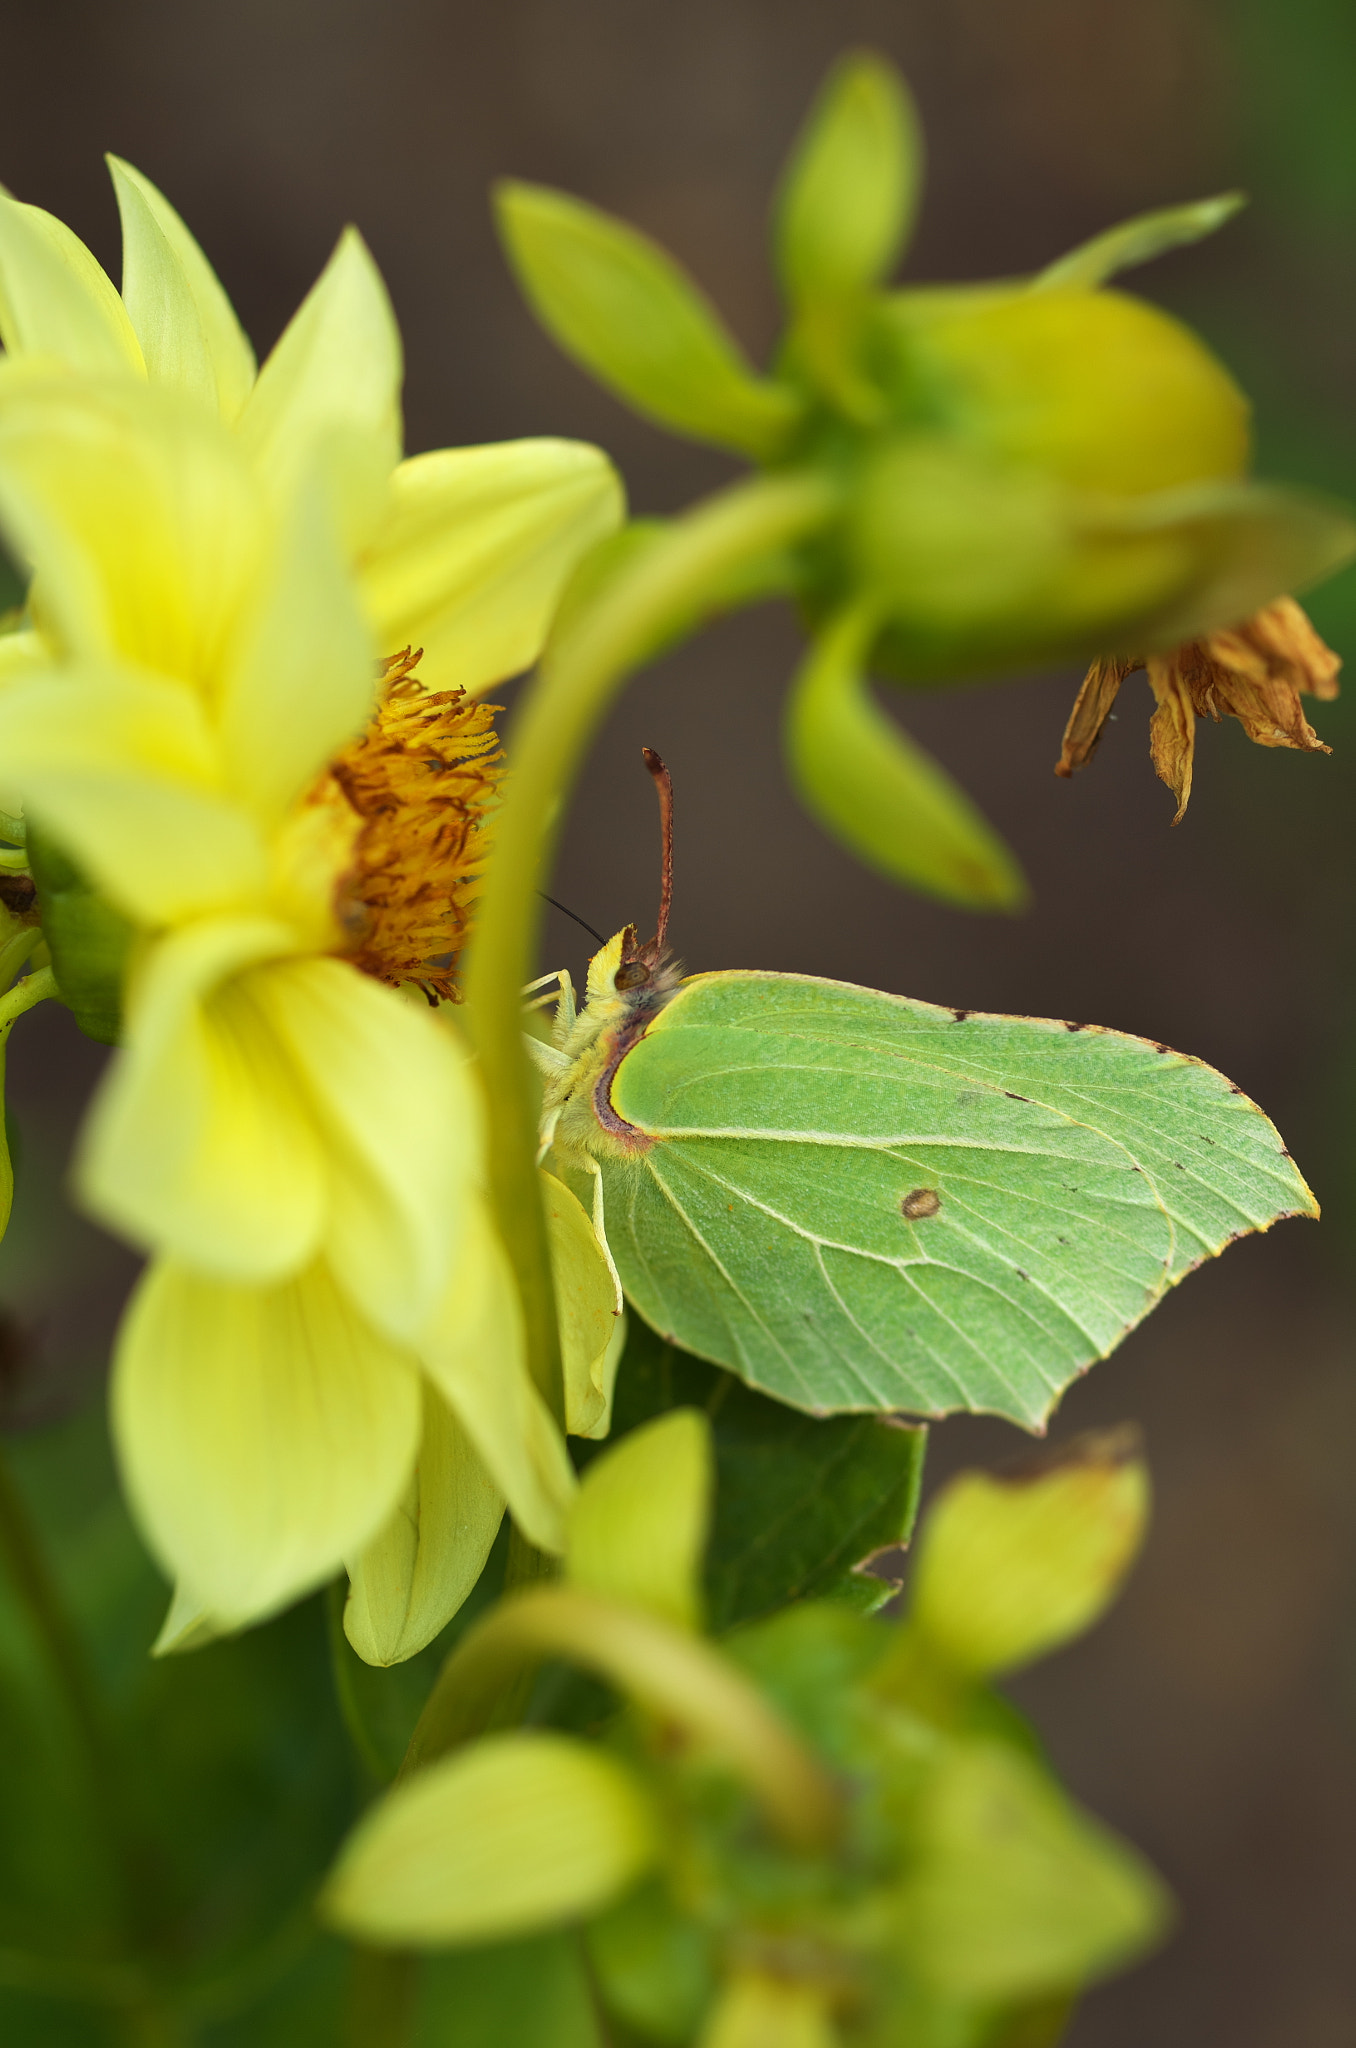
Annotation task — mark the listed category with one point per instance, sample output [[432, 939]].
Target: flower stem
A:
[[41, 1602], [663, 590], [381, 2003], [34, 988], [345, 1691]]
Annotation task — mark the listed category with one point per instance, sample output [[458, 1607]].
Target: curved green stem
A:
[[33, 989], [678, 1677], [662, 590]]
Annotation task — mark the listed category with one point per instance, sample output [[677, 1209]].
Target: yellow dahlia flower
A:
[[322, 1364]]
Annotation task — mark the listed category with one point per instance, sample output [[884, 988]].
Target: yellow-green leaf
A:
[[511, 1835], [880, 794], [851, 188], [621, 306], [1009, 1567]]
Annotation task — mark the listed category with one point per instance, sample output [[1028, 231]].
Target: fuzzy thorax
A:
[[626, 992]]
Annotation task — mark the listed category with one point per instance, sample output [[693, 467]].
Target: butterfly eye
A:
[[632, 975]]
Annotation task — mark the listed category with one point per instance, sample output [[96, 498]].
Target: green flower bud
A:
[[1010, 1567], [1095, 388], [87, 938]]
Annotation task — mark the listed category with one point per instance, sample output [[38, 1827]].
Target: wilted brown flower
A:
[[1254, 673]]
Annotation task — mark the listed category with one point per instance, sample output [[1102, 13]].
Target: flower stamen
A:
[[423, 779]]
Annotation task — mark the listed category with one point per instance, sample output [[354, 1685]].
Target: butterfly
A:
[[858, 1201]]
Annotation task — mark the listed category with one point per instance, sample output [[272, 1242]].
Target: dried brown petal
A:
[[1172, 729], [1092, 708], [1255, 673]]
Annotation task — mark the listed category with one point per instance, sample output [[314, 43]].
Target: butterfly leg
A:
[[600, 1230], [562, 994]]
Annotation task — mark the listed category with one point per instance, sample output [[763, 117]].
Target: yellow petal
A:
[[336, 368], [120, 768], [475, 550], [55, 300], [515, 1833], [187, 1625], [139, 513], [588, 1303], [638, 1525], [184, 321], [416, 1572], [474, 1353], [301, 678], [264, 1433], [399, 1119], [201, 1141]]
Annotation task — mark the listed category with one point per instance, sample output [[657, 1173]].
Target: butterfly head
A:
[[632, 972]]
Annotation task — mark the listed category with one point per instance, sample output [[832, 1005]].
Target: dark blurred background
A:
[[1214, 1716]]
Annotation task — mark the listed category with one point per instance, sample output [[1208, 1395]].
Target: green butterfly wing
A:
[[860, 1202]]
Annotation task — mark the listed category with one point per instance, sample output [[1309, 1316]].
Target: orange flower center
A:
[[422, 779]]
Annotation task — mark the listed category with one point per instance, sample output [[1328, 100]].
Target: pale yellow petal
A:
[[336, 371], [416, 1572], [638, 1527], [588, 1303], [55, 299], [264, 1433], [476, 548], [187, 1625], [516, 1832], [120, 768], [140, 515], [301, 678], [395, 1104], [184, 321], [201, 1141], [475, 1354], [22, 654]]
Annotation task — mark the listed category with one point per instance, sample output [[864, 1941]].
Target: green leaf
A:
[[234, 1784], [621, 306], [1016, 1893], [1137, 241], [860, 1202], [502, 1838], [637, 1527], [880, 794], [87, 937], [850, 191], [799, 1503]]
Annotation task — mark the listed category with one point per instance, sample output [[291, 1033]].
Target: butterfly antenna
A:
[[574, 915], [663, 783]]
